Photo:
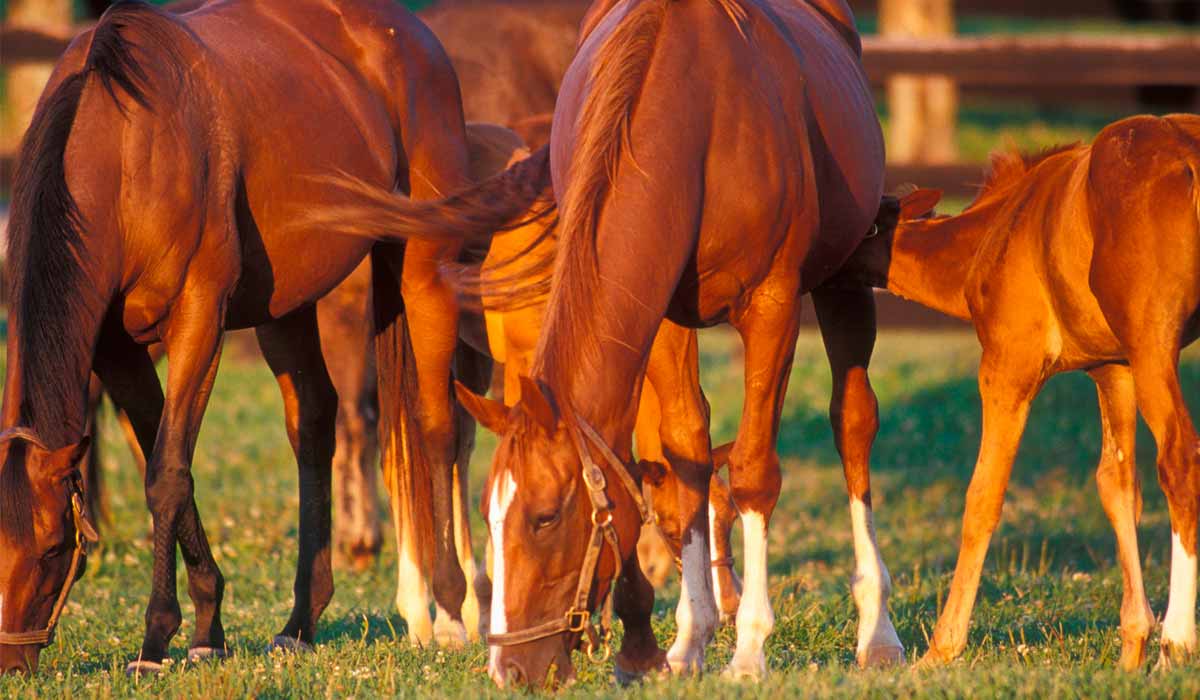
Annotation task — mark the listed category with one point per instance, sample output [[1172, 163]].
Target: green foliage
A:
[[1046, 624]]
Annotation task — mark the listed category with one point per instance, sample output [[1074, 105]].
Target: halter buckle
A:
[[577, 620]]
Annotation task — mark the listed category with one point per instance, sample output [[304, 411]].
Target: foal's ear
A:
[[653, 473], [490, 413], [67, 459], [536, 400], [918, 203]]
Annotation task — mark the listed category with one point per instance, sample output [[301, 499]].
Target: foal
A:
[[1080, 258]]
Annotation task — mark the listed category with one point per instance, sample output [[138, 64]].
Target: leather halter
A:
[[85, 533], [578, 618]]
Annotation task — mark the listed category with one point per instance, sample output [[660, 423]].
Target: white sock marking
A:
[[696, 614], [503, 491], [1179, 626], [755, 619], [871, 584]]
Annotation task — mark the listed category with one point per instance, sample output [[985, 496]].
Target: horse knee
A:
[[754, 478]]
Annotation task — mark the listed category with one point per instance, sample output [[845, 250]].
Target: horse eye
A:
[[542, 521]]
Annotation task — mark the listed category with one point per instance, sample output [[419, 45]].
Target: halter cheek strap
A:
[[578, 617], [84, 533]]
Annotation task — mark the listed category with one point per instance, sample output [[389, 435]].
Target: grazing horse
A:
[[672, 385], [714, 160], [1081, 258], [157, 200]]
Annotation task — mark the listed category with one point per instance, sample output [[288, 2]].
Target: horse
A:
[[512, 333], [1083, 257], [656, 222], [510, 56], [156, 200]]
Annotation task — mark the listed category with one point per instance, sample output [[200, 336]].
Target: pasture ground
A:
[[1045, 626]]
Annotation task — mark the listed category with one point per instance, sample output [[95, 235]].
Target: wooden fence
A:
[[992, 61]]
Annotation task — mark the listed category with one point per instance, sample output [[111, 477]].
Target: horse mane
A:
[[1007, 166], [48, 265], [617, 75]]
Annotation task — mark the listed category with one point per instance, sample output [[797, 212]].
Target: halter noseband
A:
[[84, 533], [578, 617]]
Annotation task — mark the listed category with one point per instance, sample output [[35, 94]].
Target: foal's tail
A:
[[475, 213]]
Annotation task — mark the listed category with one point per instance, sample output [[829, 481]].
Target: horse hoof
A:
[[197, 654], [1172, 656], [141, 667], [930, 661], [283, 642], [881, 657], [738, 670], [626, 678], [451, 635]]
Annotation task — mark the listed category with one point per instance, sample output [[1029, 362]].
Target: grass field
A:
[[1046, 623]]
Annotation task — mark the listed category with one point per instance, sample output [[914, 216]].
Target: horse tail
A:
[[475, 213], [407, 472]]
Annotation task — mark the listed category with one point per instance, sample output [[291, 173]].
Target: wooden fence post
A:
[[923, 108], [26, 80]]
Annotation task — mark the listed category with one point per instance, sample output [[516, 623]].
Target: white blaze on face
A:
[[503, 491], [1179, 625]]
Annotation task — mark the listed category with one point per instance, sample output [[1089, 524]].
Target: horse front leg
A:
[[847, 321], [291, 347], [673, 374], [194, 344], [768, 326]]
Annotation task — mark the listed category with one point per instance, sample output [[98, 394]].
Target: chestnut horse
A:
[[657, 222], [1081, 258], [673, 382], [157, 200]]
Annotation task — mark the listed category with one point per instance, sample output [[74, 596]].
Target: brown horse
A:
[[657, 223], [513, 331], [157, 200], [1081, 258]]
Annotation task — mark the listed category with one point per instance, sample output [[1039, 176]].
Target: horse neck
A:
[[930, 260], [594, 346]]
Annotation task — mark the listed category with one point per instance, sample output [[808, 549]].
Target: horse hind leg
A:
[[1121, 495], [847, 321], [292, 349]]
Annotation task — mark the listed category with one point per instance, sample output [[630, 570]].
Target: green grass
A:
[[1046, 623]]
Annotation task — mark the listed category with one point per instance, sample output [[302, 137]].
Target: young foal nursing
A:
[[160, 196], [661, 218], [1086, 257]]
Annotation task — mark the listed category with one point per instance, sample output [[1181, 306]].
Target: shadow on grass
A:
[[933, 435]]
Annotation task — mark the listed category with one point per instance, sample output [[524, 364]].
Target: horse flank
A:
[[50, 280]]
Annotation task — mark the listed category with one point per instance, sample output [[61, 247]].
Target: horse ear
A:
[[67, 459], [491, 414], [535, 399], [653, 473], [918, 203]]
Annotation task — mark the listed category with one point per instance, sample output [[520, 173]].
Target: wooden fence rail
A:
[[993, 61]]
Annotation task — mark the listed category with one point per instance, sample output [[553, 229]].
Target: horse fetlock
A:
[[447, 631]]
